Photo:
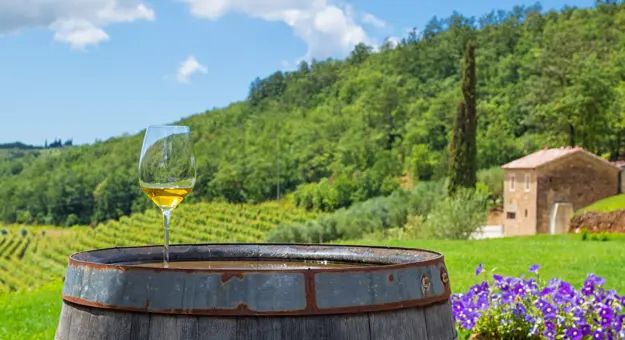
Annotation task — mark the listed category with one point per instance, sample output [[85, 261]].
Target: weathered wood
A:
[[401, 324], [389, 293]]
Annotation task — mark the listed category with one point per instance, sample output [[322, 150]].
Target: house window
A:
[[512, 180], [510, 215], [527, 182]]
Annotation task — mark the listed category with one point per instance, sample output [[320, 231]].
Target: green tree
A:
[[463, 150]]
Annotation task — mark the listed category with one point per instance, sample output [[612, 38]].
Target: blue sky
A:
[[90, 70]]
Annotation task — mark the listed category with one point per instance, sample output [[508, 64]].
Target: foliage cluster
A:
[[587, 236], [542, 79], [426, 212]]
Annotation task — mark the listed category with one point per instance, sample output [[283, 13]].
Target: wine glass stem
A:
[[166, 220]]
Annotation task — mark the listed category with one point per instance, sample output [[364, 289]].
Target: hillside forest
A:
[[335, 132]]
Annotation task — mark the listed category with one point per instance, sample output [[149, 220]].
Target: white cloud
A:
[[78, 33], [394, 41], [187, 68], [327, 29], [78, 23], [371, 19]]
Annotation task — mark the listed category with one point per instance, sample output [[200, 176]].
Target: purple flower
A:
[[598, 334], [532, 285], [479, 269], [566, 291], [588, 289], [619, 322], [585, 330], [574, 333], [457, 306], [605, 322], [599, 281], [534, 268], [550, 334], [482, 302], [546, 291], [519, 289], [541, 303], [606, 312]]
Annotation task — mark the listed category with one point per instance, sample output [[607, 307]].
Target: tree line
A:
[[336, 132]]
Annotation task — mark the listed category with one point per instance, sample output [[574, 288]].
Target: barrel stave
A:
[[430, 323]]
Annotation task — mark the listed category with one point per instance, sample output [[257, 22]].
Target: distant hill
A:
[[18, 146], [57, 143], [343, 131]]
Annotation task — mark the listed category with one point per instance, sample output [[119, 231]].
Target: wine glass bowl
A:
[[167, 170]]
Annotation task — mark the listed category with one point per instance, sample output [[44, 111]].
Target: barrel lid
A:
[[382, 278]]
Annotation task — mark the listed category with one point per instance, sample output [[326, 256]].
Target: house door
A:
[[560, 220]]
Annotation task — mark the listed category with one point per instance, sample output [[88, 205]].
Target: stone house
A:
[[543, 189]]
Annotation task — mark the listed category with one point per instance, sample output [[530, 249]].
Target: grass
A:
[[30, 315], [34, 315], [562, 256], [612, 203]]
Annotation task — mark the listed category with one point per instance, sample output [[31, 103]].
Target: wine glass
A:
[[167, 170]]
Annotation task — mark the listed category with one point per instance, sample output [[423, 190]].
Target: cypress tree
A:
[[463, 149]]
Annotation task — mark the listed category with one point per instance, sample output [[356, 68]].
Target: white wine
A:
[[167, 198]]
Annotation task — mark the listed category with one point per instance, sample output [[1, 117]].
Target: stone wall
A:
[[579, 179], [610, 222], [519, 215]]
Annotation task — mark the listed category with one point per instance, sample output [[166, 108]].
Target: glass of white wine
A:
[[167, 170]]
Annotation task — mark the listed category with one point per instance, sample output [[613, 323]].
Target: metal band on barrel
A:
[[399, 278]]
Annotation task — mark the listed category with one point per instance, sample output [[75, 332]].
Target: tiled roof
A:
[[545, 156]]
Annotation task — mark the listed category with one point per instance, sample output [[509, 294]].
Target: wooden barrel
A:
[[347, 292]]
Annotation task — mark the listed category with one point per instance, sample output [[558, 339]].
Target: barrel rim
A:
[[432, 282], [439, 258]]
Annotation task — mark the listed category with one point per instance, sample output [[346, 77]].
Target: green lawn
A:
[[563, 256], [34, 315], [612, 203], [30, 315]]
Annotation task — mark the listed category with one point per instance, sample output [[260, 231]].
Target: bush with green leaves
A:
[[374, 216], [492, 178], [349, 186], [456, 217]]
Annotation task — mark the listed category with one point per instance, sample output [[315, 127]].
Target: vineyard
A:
[[30, 257]]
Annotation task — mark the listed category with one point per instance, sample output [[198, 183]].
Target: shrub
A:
[[72, 219], [346, 188], [3, 232], [587, 236], [456, 217], [395, 216], [492, 178], [372, 217], [24, 217], [602, 237], [519, 308], [414, 227], [584, 234], [24, 232]]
